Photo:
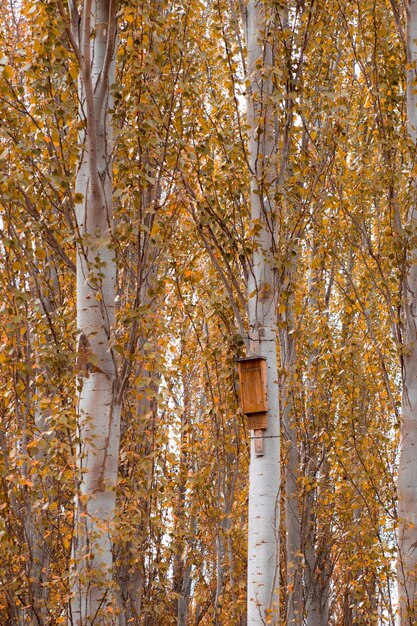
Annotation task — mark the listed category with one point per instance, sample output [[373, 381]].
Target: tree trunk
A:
[[317, 565], [181, 574], [407, 471], [316, 532], [292, 474], [93, 36], [291, 464], [184, 600], [264, 472]]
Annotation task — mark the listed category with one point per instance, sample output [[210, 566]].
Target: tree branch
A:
[[397, 19]]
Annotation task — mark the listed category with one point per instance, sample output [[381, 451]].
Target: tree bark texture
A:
[[264, 473], [93, 36]]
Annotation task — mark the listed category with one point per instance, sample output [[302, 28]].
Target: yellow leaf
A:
[[7, 71], [28, 483], [73, 72]]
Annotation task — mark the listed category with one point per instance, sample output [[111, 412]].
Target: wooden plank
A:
[[259, 442]]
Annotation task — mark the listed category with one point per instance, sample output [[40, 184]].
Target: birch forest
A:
[[208, 312]]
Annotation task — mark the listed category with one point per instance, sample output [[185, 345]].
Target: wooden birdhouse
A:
[[253, 391]]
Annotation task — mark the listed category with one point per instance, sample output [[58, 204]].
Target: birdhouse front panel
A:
[[252, 381]]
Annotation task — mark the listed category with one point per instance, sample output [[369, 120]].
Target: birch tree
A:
[[264, 473], [182, 184], [92, 31], [407, 492]]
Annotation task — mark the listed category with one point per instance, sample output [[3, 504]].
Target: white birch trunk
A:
[[264, 473], [94, 35], [407, 471]]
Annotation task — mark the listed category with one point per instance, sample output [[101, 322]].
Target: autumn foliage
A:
[[183, 243]]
